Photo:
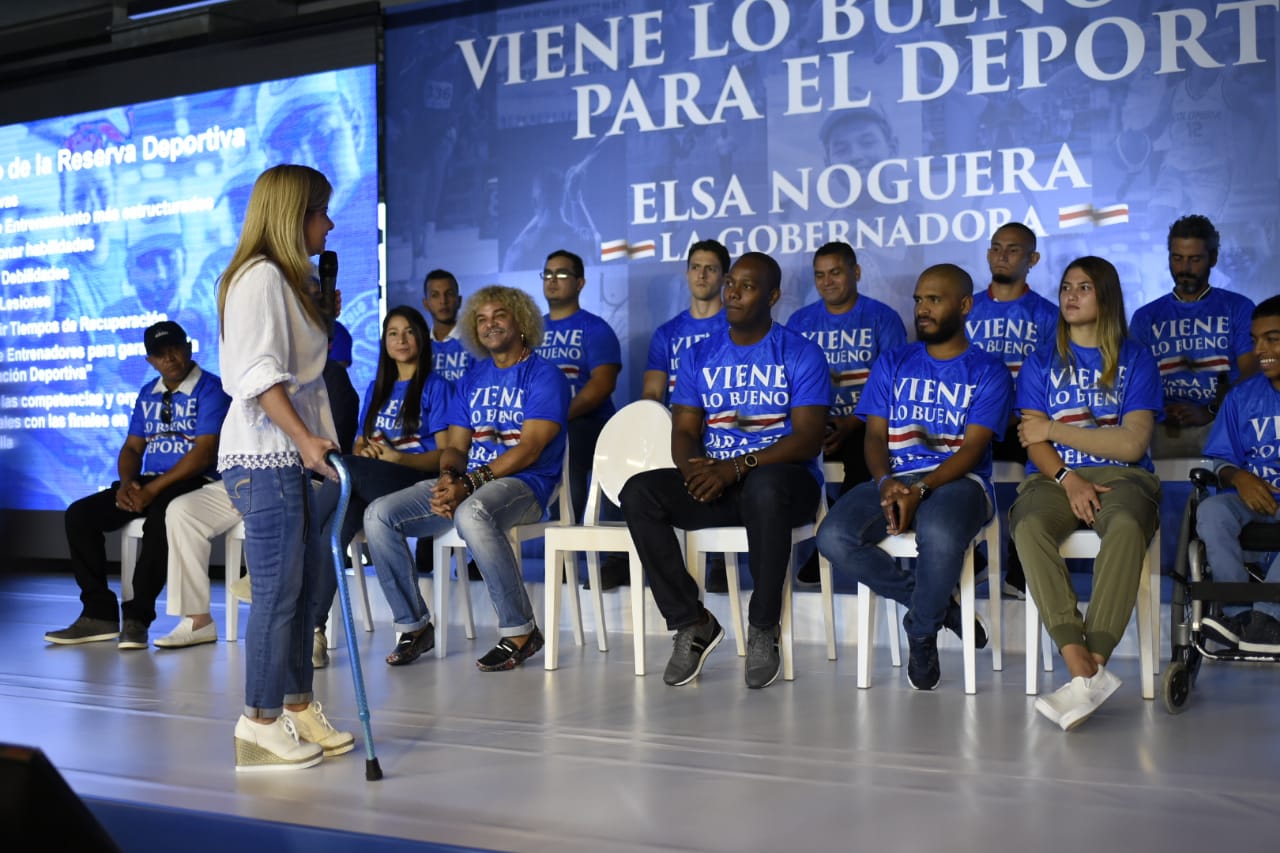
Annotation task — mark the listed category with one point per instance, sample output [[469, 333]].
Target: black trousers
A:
[[87, 522], [769, 502]]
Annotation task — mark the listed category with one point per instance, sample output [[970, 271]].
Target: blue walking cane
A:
[[372, 770]]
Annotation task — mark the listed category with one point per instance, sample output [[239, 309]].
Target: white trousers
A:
[[192, 521]]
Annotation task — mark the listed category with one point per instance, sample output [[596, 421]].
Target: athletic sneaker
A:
[[1057, 703], [133, 635], [923, 670], [319, 650], [1226, 630], [954, 622], [84, 630], [692, 645], [184, 635], [274, 746], [763, 661], [1262, 635], [314, 727], [1090, 694]]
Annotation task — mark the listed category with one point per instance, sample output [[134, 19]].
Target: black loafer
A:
[[412, 645], [507, 655]]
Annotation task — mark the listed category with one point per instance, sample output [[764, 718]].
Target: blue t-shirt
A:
[[1246, 432], [679, 333], [494, 402], [851, 341], [748, 392], [388, 423], [1195, 343], [577, 345], [451, 359], [929, 403], [1013, 330], [1071, 394], [196, 407]]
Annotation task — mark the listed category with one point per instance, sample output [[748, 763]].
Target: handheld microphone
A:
[[328, 284]]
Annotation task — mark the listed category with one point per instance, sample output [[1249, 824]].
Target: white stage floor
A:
[[591, 758]]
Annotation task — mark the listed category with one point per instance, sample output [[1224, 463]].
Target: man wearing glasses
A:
[[586, 350], [171, 449]]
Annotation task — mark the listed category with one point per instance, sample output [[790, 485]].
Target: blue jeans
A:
[[1219, 521], [482, 521], [276, 504], [370, 480], [945, 525]]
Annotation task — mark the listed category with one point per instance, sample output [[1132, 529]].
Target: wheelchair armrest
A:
[[1204, 478]]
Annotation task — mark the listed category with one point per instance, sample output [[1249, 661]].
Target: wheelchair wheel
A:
[[1177, 687]]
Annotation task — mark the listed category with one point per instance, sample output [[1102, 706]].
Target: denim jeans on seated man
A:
[[945, 525], [482, 520], [1219, 521], [283, 582]]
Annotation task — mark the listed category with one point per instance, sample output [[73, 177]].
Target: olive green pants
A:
[[1041, 518]]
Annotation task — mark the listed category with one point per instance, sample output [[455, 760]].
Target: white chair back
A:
[[637, 438]]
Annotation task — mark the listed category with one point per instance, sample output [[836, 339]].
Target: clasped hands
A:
[[706, 479]]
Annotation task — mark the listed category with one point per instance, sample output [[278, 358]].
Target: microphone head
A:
[[328, 265]]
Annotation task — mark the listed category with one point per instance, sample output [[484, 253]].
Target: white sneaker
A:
[[1053, 706], [314, 727], [184, 635], [273, 747], [1092, 692], [242, 589], [319, 650]]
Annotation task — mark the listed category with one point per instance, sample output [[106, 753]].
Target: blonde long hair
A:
[[1112, 327], [283, 196]]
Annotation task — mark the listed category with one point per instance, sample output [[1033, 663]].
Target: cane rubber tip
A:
[[372, 770]]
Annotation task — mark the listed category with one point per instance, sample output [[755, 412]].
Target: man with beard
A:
[[931, 409], [441, 299], [1199, 336]]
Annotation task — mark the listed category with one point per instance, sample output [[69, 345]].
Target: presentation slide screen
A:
[[911, 131], [118, 218]]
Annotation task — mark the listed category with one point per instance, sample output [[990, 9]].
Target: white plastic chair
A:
[[1084, 544], [732, 541], [903, 546], [450, 543], [637, 438]]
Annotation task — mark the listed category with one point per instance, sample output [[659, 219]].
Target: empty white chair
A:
[[637, 438]]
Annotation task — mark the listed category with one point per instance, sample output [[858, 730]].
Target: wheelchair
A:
[[1196, 595]]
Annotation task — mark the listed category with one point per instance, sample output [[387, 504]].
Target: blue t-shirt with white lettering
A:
[[928, 403], [851, 342], [676, 335], [196, 407], [451, 359], [748, 392], [1012, 330], [388, 424], [577, 345], [1195, 343], [1070, 394], [1246, 432], [494, 403]]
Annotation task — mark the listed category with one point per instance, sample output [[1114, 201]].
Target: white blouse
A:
[[267, 340]]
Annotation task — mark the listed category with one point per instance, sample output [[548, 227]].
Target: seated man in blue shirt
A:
[[931, 408], [1245, 443], [171, 449], [749, 407]]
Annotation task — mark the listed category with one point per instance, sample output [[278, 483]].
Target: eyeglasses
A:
[[552, 275], [166, 408]]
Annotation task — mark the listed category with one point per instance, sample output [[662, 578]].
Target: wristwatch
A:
[[924, 489], [751, 461]]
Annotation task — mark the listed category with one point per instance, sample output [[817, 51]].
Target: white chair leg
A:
[[1153, 559], [1146, 651], [575, 606], [234, 555], [735, 601], [995, 602], [787, 639], [893, 625], [866, 634], [637, 608], [128, 560], [1032, 642], [828, 604], [967, 607], [553, 581], [440, 584], [464, 581]]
